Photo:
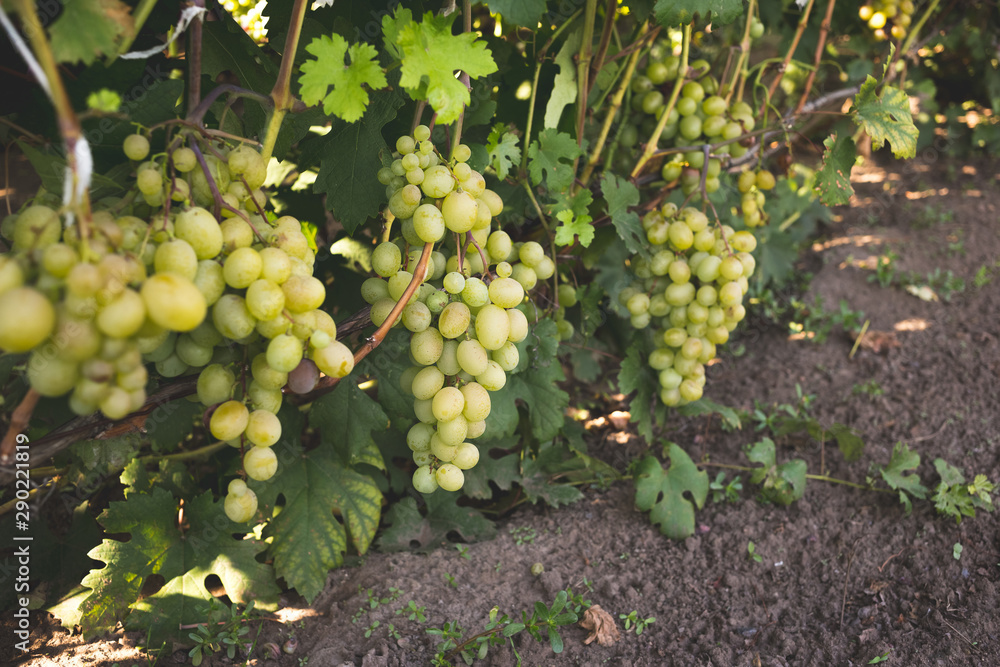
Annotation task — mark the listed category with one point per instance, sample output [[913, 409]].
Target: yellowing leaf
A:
[[834, 180], [348, 99], [87, 29], [886, 117], [431, 55]]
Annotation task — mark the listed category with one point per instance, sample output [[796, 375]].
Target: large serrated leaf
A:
[[431, 54], [672, 13], [621, 195], [662, 493], [346, 418], [307, 538], [348, 98], [409, 530], [833, 181], [550, 157], [349, 158], [184, 558]]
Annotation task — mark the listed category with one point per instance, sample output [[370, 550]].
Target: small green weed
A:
[[752, 552], [450, 579], [220, 633], [880, 658], [728, 492], [413, 612], [633, 620], [956, 551], [463, 551], [885, 269], [871, 389], [523, 535]]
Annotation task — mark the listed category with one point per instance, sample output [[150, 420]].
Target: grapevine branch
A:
[[803, 22], [281, 94], [583, 73], [824, 29], [678, 84], [18, 422], [327, 383], [616, 103], [96, 426]]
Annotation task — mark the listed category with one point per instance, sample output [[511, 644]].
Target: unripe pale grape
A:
[[477, 402], [424, 480], [335, 360], [28, 319], [215, 383], [172, 301], [448, 362], [454, 320], [472, 357], [426, 346], [241, 508], [518, 325], [229, 420], [448, 403], [263, 428], [493, 378], [450, 477], [467, 456], [492, 326]]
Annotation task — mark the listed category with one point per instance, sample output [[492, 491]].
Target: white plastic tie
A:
[[187, 16]]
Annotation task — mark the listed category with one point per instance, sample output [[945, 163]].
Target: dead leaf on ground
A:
[[601, 625], [879, 342]]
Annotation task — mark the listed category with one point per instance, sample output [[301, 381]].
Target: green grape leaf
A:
[[504, 153], [573, 226], [564, 88], [545, 401], [392, 25], [346, 418], [431, 54], [538, 473], [325, 502], [407, 529], [948, 473], [579, 202], [849, 442], [503, 471], [386, 367], [183, 558], [833, 181], [894, 474], [662, 493], [620, 195], [731, 418], [87, 29], [349, 159], [672, 13], [886, 117], [226, 47], [526, 13], [551, 156], [349, 98], [171, 423], [782, 484], [635, 376]]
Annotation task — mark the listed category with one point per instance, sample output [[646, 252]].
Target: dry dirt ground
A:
[[845, 577]]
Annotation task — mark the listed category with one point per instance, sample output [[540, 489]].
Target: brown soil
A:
[[845, 575]]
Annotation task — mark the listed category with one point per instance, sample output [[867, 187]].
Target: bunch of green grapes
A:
[[249, 14], [178, 289], [888, 17], [464, 321], [691, 292]]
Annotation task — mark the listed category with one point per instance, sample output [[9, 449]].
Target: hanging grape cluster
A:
[[232, 298], [691, 292], [888, 17], [463, 320]]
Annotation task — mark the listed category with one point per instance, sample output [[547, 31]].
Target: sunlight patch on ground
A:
[[858, 241], [913, 324]]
